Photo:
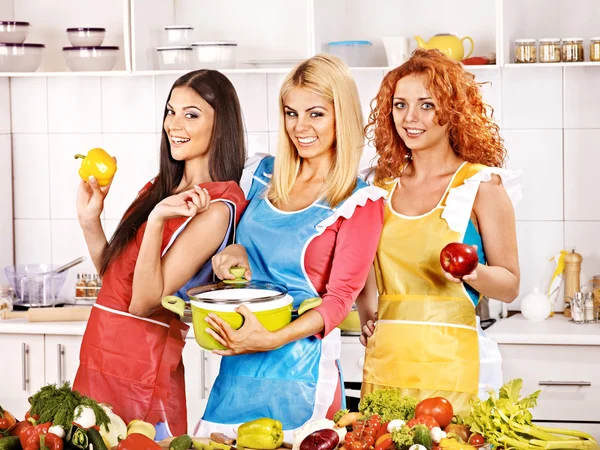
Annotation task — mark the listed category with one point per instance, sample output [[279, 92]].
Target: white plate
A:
[[274, 63]]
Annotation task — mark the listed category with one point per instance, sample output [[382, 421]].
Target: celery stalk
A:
[[563, 431]]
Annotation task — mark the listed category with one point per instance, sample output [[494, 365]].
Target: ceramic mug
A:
[[396, 49]]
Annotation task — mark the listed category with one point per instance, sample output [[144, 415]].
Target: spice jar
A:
[[549, 50], [525, 51], [572, 50], [595, 49]]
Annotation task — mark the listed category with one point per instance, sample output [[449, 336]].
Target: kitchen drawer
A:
[[568, 376], [352, 359]]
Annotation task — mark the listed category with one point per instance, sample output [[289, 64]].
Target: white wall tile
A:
[[538, 242], [33, 241], [532, 98], [64, 170], [68, 244], [367, 157], [4, 105], [273, 142], [252, 92], [137, 162], [274, 81], [162, 87], [6, 205], [367, 83], [74, 105], [583, 238], [582, 158], [31, 176], [258, 143], [582, 104], [491, 90], [110, 225], [538, 153], [128, 105], [29, 105]]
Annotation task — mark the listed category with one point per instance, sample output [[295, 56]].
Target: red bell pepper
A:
[[7, 422], [48, 441], [19, 427], [30, 435], [137, 441], [32, 419], [428, 421]]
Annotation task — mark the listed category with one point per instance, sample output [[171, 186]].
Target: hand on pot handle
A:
[[232, 256]]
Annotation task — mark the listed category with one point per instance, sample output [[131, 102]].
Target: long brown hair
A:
[[227, 154], [472, 132]]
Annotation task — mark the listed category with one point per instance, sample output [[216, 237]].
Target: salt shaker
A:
[[577, 307], [588, 308]]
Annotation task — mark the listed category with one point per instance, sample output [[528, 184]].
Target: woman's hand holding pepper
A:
[[185, 204], [90, 199], [252, 337]]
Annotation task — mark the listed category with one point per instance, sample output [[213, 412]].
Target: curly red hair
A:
[[472, 132]]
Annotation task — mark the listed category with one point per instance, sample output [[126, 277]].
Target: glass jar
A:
[[525, 50], [595, 49], [6, 298], [572, 50], [549, 50]]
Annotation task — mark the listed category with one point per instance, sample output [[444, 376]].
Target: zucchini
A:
[[10, 443], [183, 442], [96, 439]]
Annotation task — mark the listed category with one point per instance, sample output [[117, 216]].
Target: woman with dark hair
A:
[[440, 159], [131, 352]]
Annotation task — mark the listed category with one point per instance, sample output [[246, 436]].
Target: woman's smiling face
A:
[[414, 113], [188, 124], [309, 122]]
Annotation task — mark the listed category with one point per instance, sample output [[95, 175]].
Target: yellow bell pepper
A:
[[99, 164], [455, 445], [261, 434]]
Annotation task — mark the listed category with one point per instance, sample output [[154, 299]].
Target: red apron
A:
[[132, 363]]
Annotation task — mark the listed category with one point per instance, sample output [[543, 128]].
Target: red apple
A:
[[459, 259]]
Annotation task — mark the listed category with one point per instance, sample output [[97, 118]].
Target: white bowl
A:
[[214, 54], [90, 59], [20, 57], [177, 35], [12, 32], [86, 37], [178, 57]]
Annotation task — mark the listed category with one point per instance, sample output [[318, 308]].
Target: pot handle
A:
[[174, 304], [308, 304]]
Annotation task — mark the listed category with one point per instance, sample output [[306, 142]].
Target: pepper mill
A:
[[572, 282]]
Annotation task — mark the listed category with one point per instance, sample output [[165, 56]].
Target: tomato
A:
[[476, 440], [437, 407], [428, 421], [462, 431]]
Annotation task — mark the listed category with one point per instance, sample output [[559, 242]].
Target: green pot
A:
[[270, 303]]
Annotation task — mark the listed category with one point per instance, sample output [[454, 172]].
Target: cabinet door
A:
[[62, 358], [194, 360], [23, 372]]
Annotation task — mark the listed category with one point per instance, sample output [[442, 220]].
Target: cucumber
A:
[[422, 436], [95, 439], [10, 443], [183, 442]]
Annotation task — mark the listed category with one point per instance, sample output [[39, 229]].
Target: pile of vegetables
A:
[[505, 420]]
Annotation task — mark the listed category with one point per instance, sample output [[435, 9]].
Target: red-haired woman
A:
[[440, 158]]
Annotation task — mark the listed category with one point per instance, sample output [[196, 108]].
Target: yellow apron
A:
[[426, 341]]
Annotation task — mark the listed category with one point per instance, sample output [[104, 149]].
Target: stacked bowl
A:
[[15, 54], [87, 52]]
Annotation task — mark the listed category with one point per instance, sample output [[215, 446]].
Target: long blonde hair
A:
[[327, 76]]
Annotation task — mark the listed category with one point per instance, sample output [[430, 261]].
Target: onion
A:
[[321, 440]]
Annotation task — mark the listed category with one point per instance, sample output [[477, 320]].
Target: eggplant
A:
[[321, 440]]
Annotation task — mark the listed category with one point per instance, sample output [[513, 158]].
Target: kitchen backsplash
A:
[[548, 116]]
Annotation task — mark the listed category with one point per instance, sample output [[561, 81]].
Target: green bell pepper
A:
[[261, 434]]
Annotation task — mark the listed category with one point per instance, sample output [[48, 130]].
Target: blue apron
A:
[[295, 383]]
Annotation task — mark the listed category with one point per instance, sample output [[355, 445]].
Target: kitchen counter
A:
[[555, 330]]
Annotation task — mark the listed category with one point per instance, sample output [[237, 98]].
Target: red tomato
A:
[[476, 440], [437, 407], [428, 421]]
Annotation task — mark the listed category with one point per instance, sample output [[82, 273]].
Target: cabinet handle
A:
[[24, 353], [565, 383], [203, 376], [60, 351]]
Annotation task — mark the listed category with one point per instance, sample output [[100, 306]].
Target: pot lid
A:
[[250, 292]]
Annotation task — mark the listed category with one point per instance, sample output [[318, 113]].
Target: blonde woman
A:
[[313, 226]]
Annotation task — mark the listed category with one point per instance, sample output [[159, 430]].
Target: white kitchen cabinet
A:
[[23, 370], [201, 370], [62, 358], [49, 21], [568, 377]]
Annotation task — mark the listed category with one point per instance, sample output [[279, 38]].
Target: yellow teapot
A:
[[448, 44]]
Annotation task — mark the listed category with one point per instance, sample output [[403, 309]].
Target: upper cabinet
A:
[[154, 36], [48, 23], [549, 19]]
